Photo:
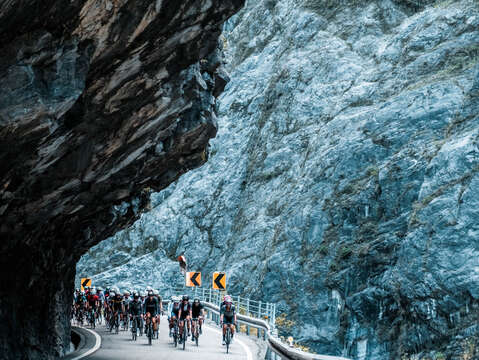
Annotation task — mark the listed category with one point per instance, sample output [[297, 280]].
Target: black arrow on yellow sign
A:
[[85, 282], [194, 279], [219, 281]]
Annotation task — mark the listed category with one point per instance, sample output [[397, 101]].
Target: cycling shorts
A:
[[228, 320], [173, 314]]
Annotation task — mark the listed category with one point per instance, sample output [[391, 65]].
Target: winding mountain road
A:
[[121, 347]]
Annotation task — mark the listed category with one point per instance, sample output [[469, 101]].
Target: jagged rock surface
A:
[[101, 102], [344, 180]]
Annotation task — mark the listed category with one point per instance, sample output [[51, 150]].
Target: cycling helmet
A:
[[107, 289], [186, 298], [112, 294], [135, 295], [99, 289], [93, 289], [228, 299], [77, 290], [175, 299], [148, 288], [197, 299], [150, 293], [156, 292], [126, 293]]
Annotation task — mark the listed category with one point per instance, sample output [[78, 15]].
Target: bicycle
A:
[[149, 328], [91, 317], [185, 334], [175, 332], [114, 322], [228, 338], [195, 330], [134, 326], [98, 315], [79, 316]]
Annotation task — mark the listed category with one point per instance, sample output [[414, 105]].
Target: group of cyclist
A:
[[137, 308]]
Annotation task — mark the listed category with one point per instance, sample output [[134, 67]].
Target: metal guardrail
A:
[[256, 314]]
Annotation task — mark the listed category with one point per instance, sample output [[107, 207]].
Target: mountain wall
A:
[[101, 103], [343, 183]]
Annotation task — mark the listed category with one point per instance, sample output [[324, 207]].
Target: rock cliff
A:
[[344, 180], [101, 103]]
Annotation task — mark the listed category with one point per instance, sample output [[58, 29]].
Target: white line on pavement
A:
[[94, 348], [249, 355]]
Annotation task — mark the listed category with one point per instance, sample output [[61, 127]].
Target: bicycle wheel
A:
[[149, 332], [133, 330], [228, 339], [175, 334], [185, 336]]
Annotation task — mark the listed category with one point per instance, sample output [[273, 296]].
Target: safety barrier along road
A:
[[277, 350]]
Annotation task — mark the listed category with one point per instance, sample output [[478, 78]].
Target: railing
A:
[[252, 314]]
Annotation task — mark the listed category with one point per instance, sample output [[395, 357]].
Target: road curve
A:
[[121, 347]]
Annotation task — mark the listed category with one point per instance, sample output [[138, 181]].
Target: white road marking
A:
[[249, 355], [94, 348]]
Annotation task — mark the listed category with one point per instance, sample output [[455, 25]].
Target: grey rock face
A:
[[343, 182], [101, 102]]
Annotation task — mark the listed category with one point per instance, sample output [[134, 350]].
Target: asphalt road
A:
[[120, 346]]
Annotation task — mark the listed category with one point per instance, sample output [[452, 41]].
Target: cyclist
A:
[[117, 306], [93, 302], [173, 312], [228, 317], [79, 302], [150, 308], [126, 304], [197, 312], [184, 315], [135, 310], [156, 293]]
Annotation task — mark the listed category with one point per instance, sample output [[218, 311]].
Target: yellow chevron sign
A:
[[84, 283], [219, 280], [193, 278]]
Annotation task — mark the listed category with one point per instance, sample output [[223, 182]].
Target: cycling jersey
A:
[[92, 299], [185, 310], [116, 303], [80, 299], [136, 307], [228, 315], [196, 310], [151, 306], [174, 309]]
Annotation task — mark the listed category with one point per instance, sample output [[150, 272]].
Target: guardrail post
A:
[[259, 309], [274, 316], [203, 294]]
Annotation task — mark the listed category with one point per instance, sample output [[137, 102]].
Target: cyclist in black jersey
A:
[[228, 317], [197, 312], [184, 315], [151, 308]]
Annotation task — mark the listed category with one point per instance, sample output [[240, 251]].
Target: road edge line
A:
[[249, 354], [93, 349]]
